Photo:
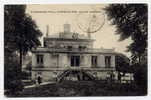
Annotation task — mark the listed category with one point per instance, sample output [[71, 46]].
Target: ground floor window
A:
[[108, 61], [94, 61], [75, 60]]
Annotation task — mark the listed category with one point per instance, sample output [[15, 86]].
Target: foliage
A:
[[10, 70], [131, 20], [140, 76], [21, 34], [25, 75], [20, 29], [11, 77], [81, 88], [123, 64], [29, 66]]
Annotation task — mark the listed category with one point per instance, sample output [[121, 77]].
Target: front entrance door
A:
[[75, 60]]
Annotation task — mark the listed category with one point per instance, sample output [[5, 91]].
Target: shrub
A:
[[140, 77]]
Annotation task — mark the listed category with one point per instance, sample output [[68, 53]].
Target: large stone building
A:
[[71, 51]]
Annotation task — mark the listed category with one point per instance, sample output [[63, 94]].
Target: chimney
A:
[[67, 28], [47, 30]]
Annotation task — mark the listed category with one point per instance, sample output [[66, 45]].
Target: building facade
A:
[[71, 51]]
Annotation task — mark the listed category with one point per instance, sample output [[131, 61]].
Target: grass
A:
[[81, 88]]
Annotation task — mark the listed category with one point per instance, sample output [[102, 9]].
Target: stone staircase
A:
[[78, 74]]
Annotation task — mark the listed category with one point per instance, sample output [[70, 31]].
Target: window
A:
[[108, 61], [45, 44], [39, 73], [39, 59], [82, 47], [75, 61], [69, 48], [94, 61]]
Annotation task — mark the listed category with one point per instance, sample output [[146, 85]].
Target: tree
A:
[[123, 64], [131, 20], [21, 34]]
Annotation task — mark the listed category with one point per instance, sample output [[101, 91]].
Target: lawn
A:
[[81, 88]]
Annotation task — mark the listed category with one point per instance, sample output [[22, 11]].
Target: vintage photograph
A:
[[75, 50]]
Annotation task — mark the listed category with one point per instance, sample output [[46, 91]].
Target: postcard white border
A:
[[3, 2]]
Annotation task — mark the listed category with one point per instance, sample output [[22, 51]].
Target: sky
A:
[[57, 15]]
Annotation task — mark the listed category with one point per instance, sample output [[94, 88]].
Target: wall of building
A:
[[63, 60], [51, 75], [101, 61], [75, 44], [102, 75], [45, 75], [34, 62], [113, 60], [85, 60]]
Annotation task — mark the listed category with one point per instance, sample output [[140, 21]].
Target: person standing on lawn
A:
[[119, 77], [39, 79]]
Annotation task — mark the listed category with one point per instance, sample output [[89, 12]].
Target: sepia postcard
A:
[[75, 50]]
